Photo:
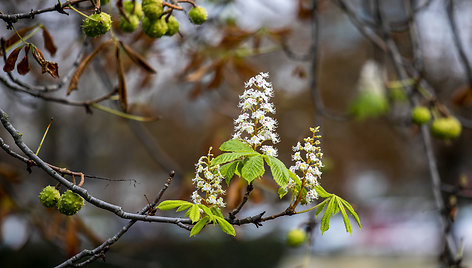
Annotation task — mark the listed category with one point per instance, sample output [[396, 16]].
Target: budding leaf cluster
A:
[[246, 156]]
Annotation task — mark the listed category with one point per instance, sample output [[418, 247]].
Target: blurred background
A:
[[376, 162]]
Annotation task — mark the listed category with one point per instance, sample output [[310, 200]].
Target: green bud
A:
[[154, 28], [197, 15], [152, 9], [446, 128], [128, 8], [172, 25], [70, 203], [130, 26], [296, 237], [97, 24], [420, 115], [49, 196]]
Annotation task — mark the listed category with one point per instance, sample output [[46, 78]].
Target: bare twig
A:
[[100, 251], [458, 43], [17, 137], [232, 214], [12, 18]]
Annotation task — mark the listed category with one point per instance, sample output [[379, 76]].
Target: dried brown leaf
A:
[[138, 59], [11, 60], [46, 66], [23, 66], [14, 37], [80, 69], [122, 90], [218, 76], [199, 72], [49, 42], [462, 96]]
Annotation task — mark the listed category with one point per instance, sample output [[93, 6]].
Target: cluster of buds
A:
[[208, 182], [254, 126], [307, 158]]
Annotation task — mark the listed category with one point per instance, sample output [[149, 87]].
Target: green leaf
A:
[[184, 207], [282, 192], [253, 168], [207, 211], [294, 177], [352, 212], [194, 213], [322, 192], [228, 157], [171, 204], [225, 226], [216, 211], [199, 226], [322, 205], [228, 170], [327, 215], [279, 170], [236, 146], [347, 224]]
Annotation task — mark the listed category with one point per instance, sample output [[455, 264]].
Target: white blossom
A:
[[307, 169], [255, 125], [208, 183]]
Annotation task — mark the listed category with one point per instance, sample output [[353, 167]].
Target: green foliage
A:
[[278, 169], [253, 168], [235, 145], [195, 212], [335, 204], [229, 157]]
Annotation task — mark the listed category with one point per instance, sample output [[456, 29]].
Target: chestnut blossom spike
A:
[[255, 125], [208, 183], [307, 167]]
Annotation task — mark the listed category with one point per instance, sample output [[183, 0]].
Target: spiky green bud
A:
[[172, 26], [49, 196], [97, 24], [130, 26], [152, 9], [70, 203], [154, 28], [197, 15], [128, 8]]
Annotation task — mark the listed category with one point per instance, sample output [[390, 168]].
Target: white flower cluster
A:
[[308, 165], [208, 181], [254, 126]]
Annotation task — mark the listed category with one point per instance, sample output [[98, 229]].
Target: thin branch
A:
[[17, 137], [232, 214], [85, 104], [12, 18], [425, 135], [458, 43], [315, 93], [100, 251], [363, 28]]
